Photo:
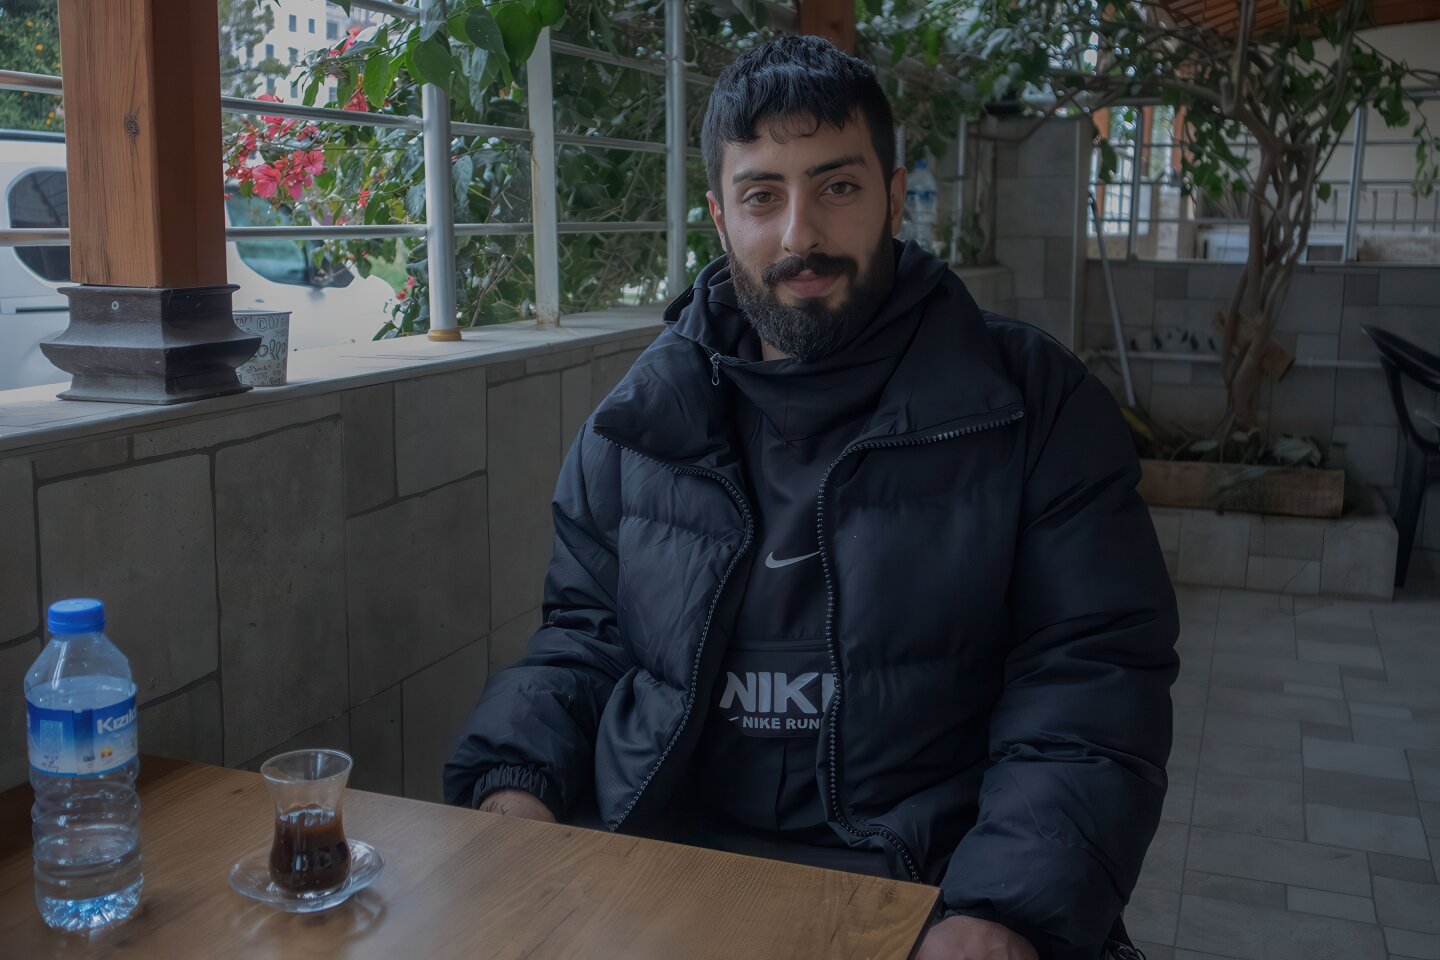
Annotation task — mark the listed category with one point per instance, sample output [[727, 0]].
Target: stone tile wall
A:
[[343, 569], [1168, 307], [1350, 557], [1040, 186]]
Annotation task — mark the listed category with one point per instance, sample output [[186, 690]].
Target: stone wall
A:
[[340, 566], [1168, 308], [1040, 186]]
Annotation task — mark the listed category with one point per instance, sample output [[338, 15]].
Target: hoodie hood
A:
[[674, 406]]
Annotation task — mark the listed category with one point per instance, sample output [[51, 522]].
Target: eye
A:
[[842, 188], [759, 197]]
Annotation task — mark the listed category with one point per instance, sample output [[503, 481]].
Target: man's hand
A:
[[970, 938], [517, 803]]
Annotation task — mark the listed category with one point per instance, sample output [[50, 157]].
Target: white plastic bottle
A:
[[921, 205], [83, 760]]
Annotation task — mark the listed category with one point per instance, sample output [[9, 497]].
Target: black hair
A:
[[790, 78]]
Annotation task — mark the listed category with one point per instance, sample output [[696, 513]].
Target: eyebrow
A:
[[853, 159]]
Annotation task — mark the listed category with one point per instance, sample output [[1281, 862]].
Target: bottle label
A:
[[82, 743]]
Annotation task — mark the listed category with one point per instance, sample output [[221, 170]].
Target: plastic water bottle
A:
[[83, 760], [921, 204]]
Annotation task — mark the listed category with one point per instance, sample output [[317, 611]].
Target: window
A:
[[332, 30], [279, 261], [294, 90], [312, 24], [293, 26], [269, 51], [39, 199], [294, 56], [269, 84]]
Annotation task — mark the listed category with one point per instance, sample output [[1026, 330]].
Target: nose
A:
[[803, 234]]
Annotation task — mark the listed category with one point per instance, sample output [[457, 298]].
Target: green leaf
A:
[[459, 27], [480, 68], [462, 171], [520, 28], [312, 89], [932, 47], [415, 200], [898, 43], [549, 12], [379, 76], [1305, 48], [484, 32], [1109, 160], [343, 5], [600, 27], [1323, 192], [433, 63], [873, 7]]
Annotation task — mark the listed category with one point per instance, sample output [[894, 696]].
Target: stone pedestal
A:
[[155, 345]]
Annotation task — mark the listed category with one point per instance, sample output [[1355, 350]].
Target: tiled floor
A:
[[1303, 820]]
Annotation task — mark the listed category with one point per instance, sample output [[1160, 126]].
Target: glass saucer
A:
[[251, 876]]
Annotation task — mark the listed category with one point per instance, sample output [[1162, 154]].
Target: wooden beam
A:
[[831, 19], [150, 314], [142, 120]]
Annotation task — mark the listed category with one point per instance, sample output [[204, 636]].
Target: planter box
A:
[[1283, 491], [1350, 557]]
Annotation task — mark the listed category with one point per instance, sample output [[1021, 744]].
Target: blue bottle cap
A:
[[80, 615]]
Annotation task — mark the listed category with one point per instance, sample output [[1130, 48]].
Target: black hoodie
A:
[[755, 763]]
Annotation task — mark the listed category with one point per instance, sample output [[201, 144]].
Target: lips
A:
[[807, 284]]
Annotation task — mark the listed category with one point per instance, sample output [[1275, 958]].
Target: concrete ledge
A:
[[1353, 556], [34, 418], [379, 528]]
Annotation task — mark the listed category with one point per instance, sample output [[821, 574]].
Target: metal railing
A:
[[437, 129], [1132, 200]]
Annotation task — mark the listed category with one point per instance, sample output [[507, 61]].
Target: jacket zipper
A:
[[834, 787], [740, 501]]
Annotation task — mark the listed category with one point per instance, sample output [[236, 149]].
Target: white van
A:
[[326, 308]]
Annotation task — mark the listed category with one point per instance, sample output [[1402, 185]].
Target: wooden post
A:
[[151, 320], [832, 19]]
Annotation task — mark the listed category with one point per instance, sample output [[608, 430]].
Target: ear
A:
[[897, 199], [717, 214]]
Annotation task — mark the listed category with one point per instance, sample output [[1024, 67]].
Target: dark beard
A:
[[812, 331]]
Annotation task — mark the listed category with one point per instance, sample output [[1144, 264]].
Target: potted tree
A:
[[1287, 74]]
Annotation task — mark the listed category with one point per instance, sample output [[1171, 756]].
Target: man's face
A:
[[807, 222]]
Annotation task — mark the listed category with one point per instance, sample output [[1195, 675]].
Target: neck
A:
[[768, 352]]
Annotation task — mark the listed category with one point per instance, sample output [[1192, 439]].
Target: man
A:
[[845, 571]]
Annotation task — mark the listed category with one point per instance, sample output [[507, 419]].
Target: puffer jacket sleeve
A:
[[1081, 733], [534, 726]]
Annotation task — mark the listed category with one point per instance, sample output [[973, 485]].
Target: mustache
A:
[[820, 264]]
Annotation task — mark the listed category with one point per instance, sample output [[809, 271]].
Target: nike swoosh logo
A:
[[774, 564]]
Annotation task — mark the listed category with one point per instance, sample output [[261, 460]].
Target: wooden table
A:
[[459, 883]]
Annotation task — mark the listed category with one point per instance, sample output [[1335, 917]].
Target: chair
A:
[[1398, 357]]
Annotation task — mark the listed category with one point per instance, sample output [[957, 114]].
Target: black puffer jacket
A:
[[1001, 625]]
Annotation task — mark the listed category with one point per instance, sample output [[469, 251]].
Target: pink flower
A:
[[269, 98], [267, 180], [357, 99], [312, 160], [364, 199]]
